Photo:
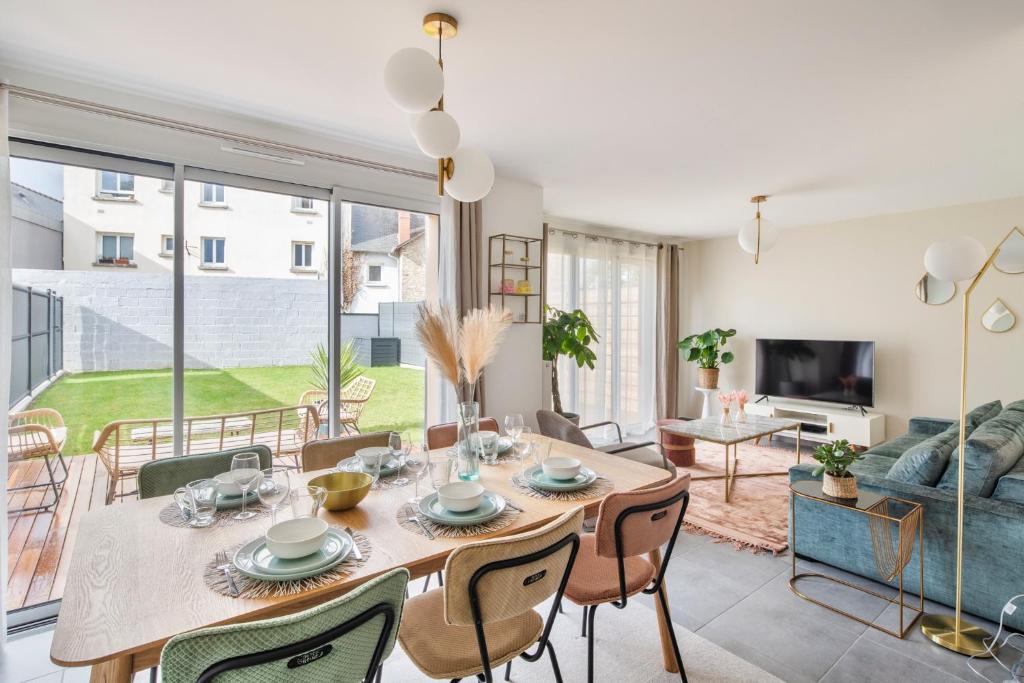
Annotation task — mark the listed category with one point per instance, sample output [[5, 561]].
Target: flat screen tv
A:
[[816, 370]]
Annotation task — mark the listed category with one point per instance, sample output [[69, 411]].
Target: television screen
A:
[[815, 370]]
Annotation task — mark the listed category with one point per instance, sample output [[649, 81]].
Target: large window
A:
[[114, 185]]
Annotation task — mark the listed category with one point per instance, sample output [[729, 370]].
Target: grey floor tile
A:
[[868, 662]]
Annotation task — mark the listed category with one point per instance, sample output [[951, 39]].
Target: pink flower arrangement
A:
[[741, 398], [726, 399]]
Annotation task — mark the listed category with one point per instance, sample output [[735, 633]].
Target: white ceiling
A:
[[663, 117]]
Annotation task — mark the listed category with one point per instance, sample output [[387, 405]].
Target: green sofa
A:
[[993, 511]]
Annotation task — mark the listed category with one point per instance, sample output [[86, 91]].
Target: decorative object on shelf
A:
[[1011, 255], [415, 82], [726, 401], [759, 234], [835, 459], [517, 285], [704, 350], [998, 318], [933, 291], [958, 259], [741, 405], [524, 287], [569, 335], [508, 286]]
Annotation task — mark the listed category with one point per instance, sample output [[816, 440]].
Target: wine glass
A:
[[245, 472], [400, 450], [514, 427], [274, 489], [524, 450], [416, 462]]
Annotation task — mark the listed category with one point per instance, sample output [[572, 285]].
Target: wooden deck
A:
[[39, 543]]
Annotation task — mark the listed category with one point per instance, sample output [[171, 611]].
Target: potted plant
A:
[[704, 350], [570, 335], [835, 459]]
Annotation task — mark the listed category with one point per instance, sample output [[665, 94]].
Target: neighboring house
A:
[[377, 234], [37, 229], [411, 256]]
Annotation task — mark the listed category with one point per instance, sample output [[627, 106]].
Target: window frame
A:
[[164, 251], [213, 265], [379, 282], [117, 194], [297, 205], [307, 249], [215, 203], [101, 235]]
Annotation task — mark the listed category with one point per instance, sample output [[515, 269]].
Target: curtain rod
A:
[[605, 237], [181, 126]]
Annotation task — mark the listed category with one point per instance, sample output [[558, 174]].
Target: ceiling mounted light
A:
[[759, 234], [417, 87]]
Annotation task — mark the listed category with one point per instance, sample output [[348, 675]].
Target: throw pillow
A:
[[991, 451], [1010, 486]]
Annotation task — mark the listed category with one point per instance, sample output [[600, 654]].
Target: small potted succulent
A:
[[835, 459], [704, 350]]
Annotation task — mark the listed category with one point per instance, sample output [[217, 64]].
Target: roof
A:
[[375, 228], [35, 207]]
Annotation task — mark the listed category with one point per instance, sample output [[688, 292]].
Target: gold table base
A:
[[941, 630]]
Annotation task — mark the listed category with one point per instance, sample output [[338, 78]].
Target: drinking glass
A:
[[541, 450], [514, 427], [372, 467], [245, 471], [199, 498], [306, 500], [440, 471], [524, 449], [400, 450], [274, 489], [416, 462], [488, 448]]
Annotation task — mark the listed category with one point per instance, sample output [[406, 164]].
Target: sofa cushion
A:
[[924, 463], [991, 451], [894, 448], [873, 464], [1010, 487]]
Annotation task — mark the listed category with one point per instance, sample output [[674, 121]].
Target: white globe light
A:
[[473, 176], [954, 260], [414, 79], [747, 236], [436, 133]]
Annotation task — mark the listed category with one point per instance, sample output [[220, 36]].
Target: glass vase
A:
[[469, 428], [725, 416]]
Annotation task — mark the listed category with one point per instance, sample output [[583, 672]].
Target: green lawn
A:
[[92, 399]]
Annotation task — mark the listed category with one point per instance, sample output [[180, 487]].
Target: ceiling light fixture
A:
[[759, 234], [415, 82]]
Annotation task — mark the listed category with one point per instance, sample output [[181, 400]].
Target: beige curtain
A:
[[667, 353], [468, 229]]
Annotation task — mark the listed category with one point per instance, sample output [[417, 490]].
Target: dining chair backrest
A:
[[636, 522], [325, 453], [342, 640], [162, 477], [557, 427], [445, 435], [501, 578]]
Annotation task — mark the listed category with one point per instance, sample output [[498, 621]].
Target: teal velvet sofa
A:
[[993, 520]]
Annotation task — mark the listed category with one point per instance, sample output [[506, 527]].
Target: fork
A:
[[419, 520], [225, 566], [355, 546]]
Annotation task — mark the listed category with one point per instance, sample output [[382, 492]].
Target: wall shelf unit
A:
[[515, 274]]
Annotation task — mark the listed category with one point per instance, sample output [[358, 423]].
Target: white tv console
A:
[[836, 422]]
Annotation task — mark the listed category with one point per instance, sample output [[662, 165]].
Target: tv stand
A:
[[824, 423], [764, 397]]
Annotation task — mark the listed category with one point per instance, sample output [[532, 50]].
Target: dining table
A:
[[135, 581]]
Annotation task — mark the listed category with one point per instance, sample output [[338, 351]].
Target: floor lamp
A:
[[962, 258]]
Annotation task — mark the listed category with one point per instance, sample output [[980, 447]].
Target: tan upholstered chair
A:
[[445, 435], [326, 453], [557, 427], [483, 617], [610, 566]]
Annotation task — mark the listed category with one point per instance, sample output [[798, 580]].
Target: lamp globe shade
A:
[[954, 260], [436, 133], [473, 176], [414, 80], [747, 236]]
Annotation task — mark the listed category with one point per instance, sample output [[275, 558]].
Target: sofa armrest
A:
[[928, 426]]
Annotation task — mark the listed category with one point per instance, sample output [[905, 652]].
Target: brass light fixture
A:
[[415, 82], [759, 234]]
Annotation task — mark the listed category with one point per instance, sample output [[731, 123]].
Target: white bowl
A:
[[560, 467], [294, 538], [461, 496], [226, 485], [374, 454]]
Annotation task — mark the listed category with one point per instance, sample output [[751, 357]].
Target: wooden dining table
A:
[[134, 581]]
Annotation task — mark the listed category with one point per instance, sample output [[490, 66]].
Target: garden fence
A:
[[37, 323]]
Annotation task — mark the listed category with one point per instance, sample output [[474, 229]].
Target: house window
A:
[[114, 248], [211, 195], [167, 186], [213, 252], [303, 205], [373, 274], [167, 245], [115, 185], [302, 255]]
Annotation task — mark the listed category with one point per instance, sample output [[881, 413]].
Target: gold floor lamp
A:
[[962, 258]]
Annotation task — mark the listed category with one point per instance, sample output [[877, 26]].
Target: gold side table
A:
[[884, 515]]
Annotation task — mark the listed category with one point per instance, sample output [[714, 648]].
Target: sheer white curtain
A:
[[615, 284]]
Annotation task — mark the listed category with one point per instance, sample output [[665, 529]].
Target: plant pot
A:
[[572, 417], [707, 378], [839, 487]]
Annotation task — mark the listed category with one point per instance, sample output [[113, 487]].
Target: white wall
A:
[[855, 280]]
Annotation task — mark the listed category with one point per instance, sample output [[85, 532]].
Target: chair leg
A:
[[554, 663], [152, 675], [426, 583], [111, 488], [672, 633], [380, 673], [590, 644], [508, 670], [583, 633], [440, 578]]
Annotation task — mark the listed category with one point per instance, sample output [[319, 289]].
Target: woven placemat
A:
[[404, 517], [217, 581], [171, 516], [598, 489]]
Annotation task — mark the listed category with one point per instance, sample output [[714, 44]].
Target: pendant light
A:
[[759, 234], [415, 82]]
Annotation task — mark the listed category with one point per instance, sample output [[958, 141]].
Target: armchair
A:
[[557, 427], [38, 433]]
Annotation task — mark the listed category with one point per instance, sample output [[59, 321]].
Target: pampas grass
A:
[[479, 339], [438, 332]]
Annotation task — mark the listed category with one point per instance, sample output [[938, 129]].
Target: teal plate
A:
[[254, 559], [355, 464], [536, 478], [232, 502], [504, 444], [492, 506]]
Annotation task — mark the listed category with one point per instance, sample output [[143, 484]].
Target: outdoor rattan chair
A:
[[38, 433], [354, 398]]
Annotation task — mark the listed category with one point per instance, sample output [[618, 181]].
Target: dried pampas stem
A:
[[479, 339], [438, 332]]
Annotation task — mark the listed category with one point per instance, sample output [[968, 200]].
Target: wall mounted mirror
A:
[[933, 291], [998, 318], [1010, 258]]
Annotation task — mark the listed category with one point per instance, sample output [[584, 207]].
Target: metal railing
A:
[[37, 349]]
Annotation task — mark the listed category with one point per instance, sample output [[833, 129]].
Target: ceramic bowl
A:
[[374, 454], [461, 496], [226, 486], [294, 538], [344, 489], [560, 467]]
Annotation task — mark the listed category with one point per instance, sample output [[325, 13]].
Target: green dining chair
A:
[[162, 477], [342, 640]]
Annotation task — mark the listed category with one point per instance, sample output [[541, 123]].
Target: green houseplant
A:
[[704, 349], [320, 368], [835, 459], [570, 335]]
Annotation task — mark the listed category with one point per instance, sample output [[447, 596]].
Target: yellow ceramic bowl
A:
[[344, 489]]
